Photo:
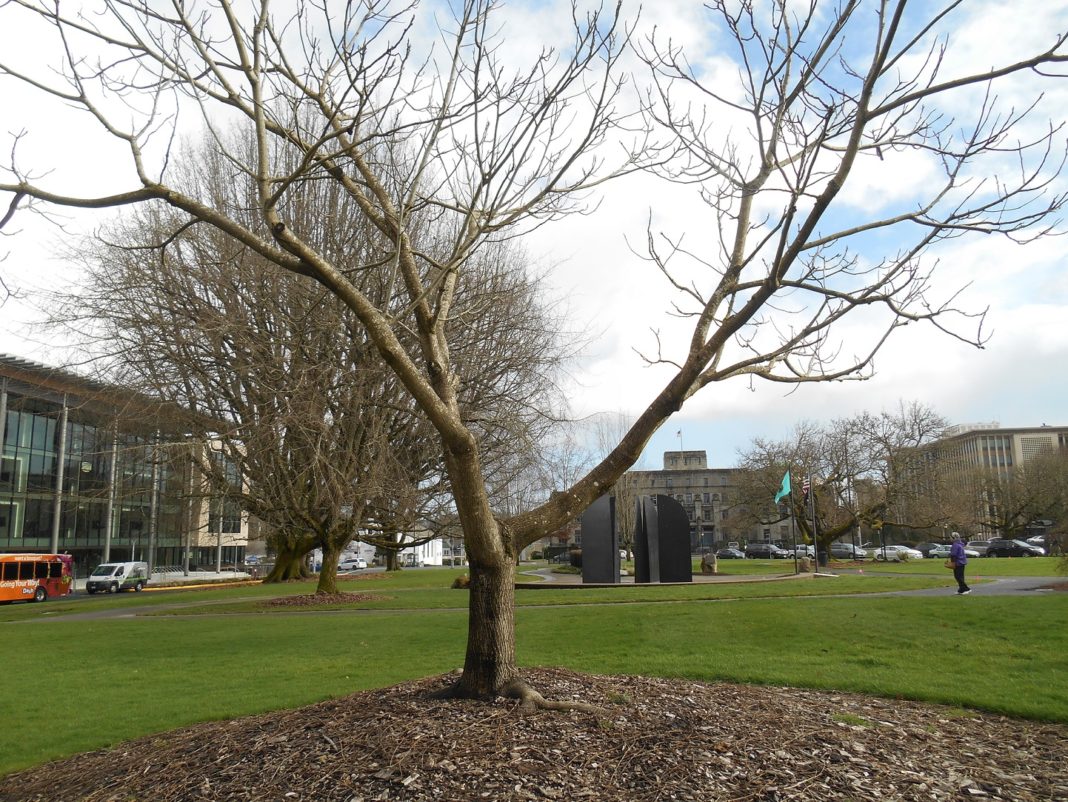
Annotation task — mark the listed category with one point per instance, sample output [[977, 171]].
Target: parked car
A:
[[925, 548], [730, 554], [805, 551], [896, 554], [766, 551], [941, 552], [352, 564], [847, 551], [978, 545], [1003, 547]]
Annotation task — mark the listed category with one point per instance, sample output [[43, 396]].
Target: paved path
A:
[[989, 586]]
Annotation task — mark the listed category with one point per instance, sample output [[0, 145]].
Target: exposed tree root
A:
[[529, 699]]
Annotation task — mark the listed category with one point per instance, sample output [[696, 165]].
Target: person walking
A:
[[959, 560]]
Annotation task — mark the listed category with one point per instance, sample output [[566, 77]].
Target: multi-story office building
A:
[[980, 458], [94, 471], [987, 445]]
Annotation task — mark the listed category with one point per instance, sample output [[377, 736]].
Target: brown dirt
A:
[[320, 599], [1058, 586], [655, 739]]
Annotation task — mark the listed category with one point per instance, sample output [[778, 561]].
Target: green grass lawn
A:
[[79, 685], [399, 598]]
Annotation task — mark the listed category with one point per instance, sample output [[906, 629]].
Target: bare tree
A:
[[491, 149], [316, 436], [609, 429], [1009, 500], [867, 470]]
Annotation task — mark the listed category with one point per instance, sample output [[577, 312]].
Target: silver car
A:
[[942, 552], [896, 554]]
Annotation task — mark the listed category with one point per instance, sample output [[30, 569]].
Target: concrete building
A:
[[709, 496], [93, 470], [969, 451], [987, 445]]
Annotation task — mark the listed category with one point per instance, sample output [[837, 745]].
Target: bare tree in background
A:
[[1005, 502], [609, 428], [869, 470], [490, 149], [327, 446]]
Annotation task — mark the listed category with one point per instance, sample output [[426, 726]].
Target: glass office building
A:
[[91, 470]]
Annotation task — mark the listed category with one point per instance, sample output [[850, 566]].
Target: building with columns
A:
[[710, 496]]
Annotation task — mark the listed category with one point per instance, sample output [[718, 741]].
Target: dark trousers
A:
[[958, 574]]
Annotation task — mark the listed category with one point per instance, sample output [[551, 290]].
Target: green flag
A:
[[785, 489]]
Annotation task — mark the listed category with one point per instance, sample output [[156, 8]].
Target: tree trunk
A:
[[328, 570], [489, 666], [289, 564], [392, 560]]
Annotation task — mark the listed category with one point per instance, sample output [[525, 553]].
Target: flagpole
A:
[[786, 490], [793, 531], [812, 511]]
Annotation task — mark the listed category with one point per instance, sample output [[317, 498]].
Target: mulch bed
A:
[[321, 599], [655, 739]]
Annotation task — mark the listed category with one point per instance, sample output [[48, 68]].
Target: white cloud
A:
[[1018, 379]]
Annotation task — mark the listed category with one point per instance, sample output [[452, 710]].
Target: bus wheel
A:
[[40, 594], [139, 586], [113, 587]]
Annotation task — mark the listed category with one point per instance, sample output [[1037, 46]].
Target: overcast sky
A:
[[1018, 379]]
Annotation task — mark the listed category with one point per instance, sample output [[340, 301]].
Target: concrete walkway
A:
[[981, 583]]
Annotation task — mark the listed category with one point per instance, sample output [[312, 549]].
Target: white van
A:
[[113, 577]]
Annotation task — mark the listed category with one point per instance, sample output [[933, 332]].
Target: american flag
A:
[[805, 487]]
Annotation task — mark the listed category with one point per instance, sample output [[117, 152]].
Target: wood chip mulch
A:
[[321, 599], [656, 739]]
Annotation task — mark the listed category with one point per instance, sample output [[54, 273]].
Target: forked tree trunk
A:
[[328, 570], [289, 564], [489, 666]]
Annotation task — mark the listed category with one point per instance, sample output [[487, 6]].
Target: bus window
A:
[[40, 570], [55, 570], [11, 571]]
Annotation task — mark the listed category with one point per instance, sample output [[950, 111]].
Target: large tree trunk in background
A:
[[393, 553], [290, 563], [328, 570], [489, 666]]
